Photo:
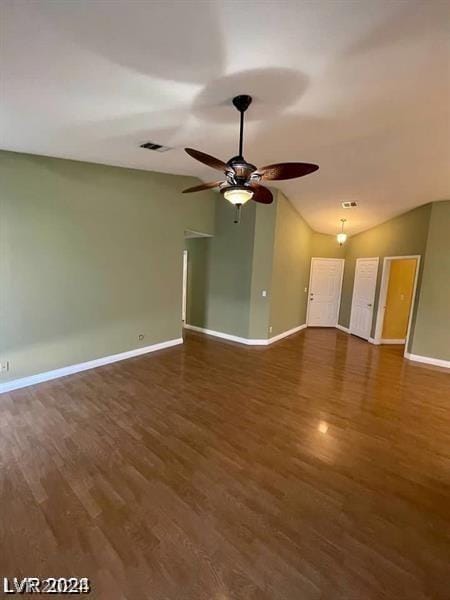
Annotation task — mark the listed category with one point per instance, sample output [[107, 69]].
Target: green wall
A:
[[220, 268], [291, 266], [326, 246], [197, 280], [432, 328], [269, 250], [90, 257], [262, 265], [403, 235]]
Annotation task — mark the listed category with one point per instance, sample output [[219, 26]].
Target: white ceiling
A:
[[360, 87]]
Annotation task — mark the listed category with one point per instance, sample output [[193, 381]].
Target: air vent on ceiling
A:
[[156, 147], [349, 204]]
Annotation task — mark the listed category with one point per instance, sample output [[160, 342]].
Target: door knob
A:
[[369, 305]]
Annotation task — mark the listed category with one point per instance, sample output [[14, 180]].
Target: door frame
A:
[[377, 258], [184, 291], [383, 295], [313, 258]]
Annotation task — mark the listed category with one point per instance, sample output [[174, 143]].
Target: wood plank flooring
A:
[[316, 468]]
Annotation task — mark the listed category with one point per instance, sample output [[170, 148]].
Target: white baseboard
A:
[[16, 384], [342, 328], [287, 333], [437, 362], [379, 341], [246, 341]]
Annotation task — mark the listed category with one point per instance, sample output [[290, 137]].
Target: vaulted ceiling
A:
[[361, 88]]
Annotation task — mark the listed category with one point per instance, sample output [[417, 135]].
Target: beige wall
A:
[[403, 235], [291, 265], [432, 329], [90, 257]]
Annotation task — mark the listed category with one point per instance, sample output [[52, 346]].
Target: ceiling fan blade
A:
[[261, 194], [203, 186], [206, 159], [289, 170]]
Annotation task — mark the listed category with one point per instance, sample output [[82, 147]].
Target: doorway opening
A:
[[193, 303], [397, 295]]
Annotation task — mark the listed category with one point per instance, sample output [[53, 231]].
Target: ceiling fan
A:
[[242, 179]]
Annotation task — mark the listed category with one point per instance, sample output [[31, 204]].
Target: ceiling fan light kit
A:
[[237, 194], [242, 179]]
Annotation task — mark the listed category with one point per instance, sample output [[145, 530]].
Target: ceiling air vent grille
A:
[[155, 147], [349, 204]]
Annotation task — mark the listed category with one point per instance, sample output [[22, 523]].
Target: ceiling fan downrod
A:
[[242, 102], [242, 180]]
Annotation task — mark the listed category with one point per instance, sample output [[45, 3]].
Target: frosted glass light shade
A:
[[238, 195], [341, 238]]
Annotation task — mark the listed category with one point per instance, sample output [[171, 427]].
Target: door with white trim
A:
[[325, 286], [363, 296]]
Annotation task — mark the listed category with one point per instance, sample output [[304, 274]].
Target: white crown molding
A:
[[16, 384], [428, 360], [246, 341]]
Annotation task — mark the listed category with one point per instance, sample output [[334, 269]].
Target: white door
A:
[[363, 296], [325, 285]]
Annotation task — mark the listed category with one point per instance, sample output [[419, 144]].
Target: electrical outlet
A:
[[4, 366], [270, 329], [306, 290], [264, 293]]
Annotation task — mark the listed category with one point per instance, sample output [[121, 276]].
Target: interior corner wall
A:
[[270, 250], [220, 272], [291, 266], [90, 258], [262, 265], [402, 235], [324, 245], [431, 334]]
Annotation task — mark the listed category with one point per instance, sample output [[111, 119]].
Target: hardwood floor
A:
[[318, 467]]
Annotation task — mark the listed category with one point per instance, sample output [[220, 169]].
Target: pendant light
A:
[[342, 237]]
